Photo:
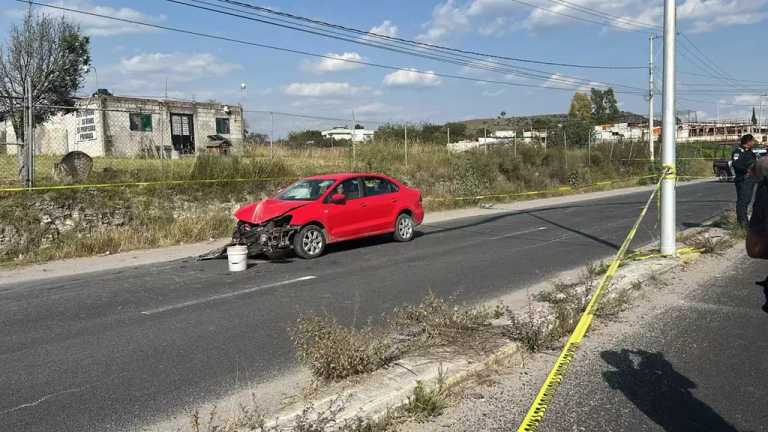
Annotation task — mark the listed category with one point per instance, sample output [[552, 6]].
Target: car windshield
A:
[[305, 190]]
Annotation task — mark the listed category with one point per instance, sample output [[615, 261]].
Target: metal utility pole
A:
[[405, 132], [650, 96], [565, 147], [668, 219], [352, 137], [272, 135], [30, 139], [449, 134]]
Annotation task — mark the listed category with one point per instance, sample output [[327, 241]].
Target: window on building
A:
[[222, 126], [141, 122]]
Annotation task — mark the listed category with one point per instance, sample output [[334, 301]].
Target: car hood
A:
[[267, 209]]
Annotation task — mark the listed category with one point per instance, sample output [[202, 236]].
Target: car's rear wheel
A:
[[309, 242], [405, 229]]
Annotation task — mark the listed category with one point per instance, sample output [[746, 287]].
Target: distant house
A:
[[534, 135], [344, 133], [106, 125], [504, 134], [620, 131]]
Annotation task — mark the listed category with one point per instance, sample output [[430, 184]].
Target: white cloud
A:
[[493, 93], [498, 17], [176, 66], [376, 108], [338, 62], [446, 18], [706, 15], [96, 26], [559, 81], [747, 100], [412, 78], [320, 89], [386, 28]]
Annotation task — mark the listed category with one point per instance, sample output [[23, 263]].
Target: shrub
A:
[[426, 403], [333, 351]]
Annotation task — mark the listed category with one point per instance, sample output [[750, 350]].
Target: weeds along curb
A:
[[386, 391]]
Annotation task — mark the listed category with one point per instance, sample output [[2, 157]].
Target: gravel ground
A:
[[688, 356]]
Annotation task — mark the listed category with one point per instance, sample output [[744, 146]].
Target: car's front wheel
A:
[[405, 229], [309, 242]]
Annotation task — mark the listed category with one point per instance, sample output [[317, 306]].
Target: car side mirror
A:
[[338, 199]]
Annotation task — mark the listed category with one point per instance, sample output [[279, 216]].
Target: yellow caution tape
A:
[[546, 394], [670, 172], [150, 183], [541, 192]]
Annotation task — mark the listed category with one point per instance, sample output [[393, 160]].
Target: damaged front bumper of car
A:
[[269, 238]]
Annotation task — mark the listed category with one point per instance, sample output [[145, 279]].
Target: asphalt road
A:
[[700, 367], [116, 349]]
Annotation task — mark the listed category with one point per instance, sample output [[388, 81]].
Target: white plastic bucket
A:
[[238, 258]]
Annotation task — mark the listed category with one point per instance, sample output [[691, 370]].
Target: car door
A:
[[347, 220], [380, 204]]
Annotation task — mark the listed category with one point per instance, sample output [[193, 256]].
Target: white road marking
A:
[[41, 400], [227, 295], [518, 233]]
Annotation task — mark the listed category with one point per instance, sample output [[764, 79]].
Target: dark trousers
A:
[[744, 190]]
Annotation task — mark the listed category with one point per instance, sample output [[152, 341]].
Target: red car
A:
[[316, 211]]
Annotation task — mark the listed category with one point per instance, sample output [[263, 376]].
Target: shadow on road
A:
[[764, 284], [650, 382]]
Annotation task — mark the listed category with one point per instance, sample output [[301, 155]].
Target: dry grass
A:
[[311, 419], [333, 351], [186, 229], [425, 403]]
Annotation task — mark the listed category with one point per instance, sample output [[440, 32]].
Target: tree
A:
[[605, 108], [754, 117], [581, 108], [54, 55]]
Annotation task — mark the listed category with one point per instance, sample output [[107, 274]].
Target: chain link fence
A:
[[111, 140]]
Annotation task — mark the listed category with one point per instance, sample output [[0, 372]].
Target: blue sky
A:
[[133, 60]]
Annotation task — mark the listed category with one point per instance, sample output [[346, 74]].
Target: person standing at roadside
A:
[[743, 162]]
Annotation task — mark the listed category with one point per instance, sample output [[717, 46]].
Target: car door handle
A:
[[363, 205]]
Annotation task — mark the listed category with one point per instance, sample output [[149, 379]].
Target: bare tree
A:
[[54, 55]]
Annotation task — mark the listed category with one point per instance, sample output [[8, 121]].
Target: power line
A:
[[598, 13], [711, 66], [421, 44], [578, 18], [472, 63], [307, 53], [737, 80]]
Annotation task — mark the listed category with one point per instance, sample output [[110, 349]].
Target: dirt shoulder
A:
[[69, 267]]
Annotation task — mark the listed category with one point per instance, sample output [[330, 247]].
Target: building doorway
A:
[[182, 133]]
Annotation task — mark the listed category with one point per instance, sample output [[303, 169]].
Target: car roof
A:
[[345, 175]]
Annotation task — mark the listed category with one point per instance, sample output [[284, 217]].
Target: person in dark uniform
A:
[[743, 161]]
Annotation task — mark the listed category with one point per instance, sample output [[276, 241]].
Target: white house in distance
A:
[[344, 133], [618, 131], [107, 125]]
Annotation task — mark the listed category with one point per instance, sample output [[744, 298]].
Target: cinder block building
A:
[[106, 125]]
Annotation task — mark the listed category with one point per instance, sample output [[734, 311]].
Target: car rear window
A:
[[377, 186]]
